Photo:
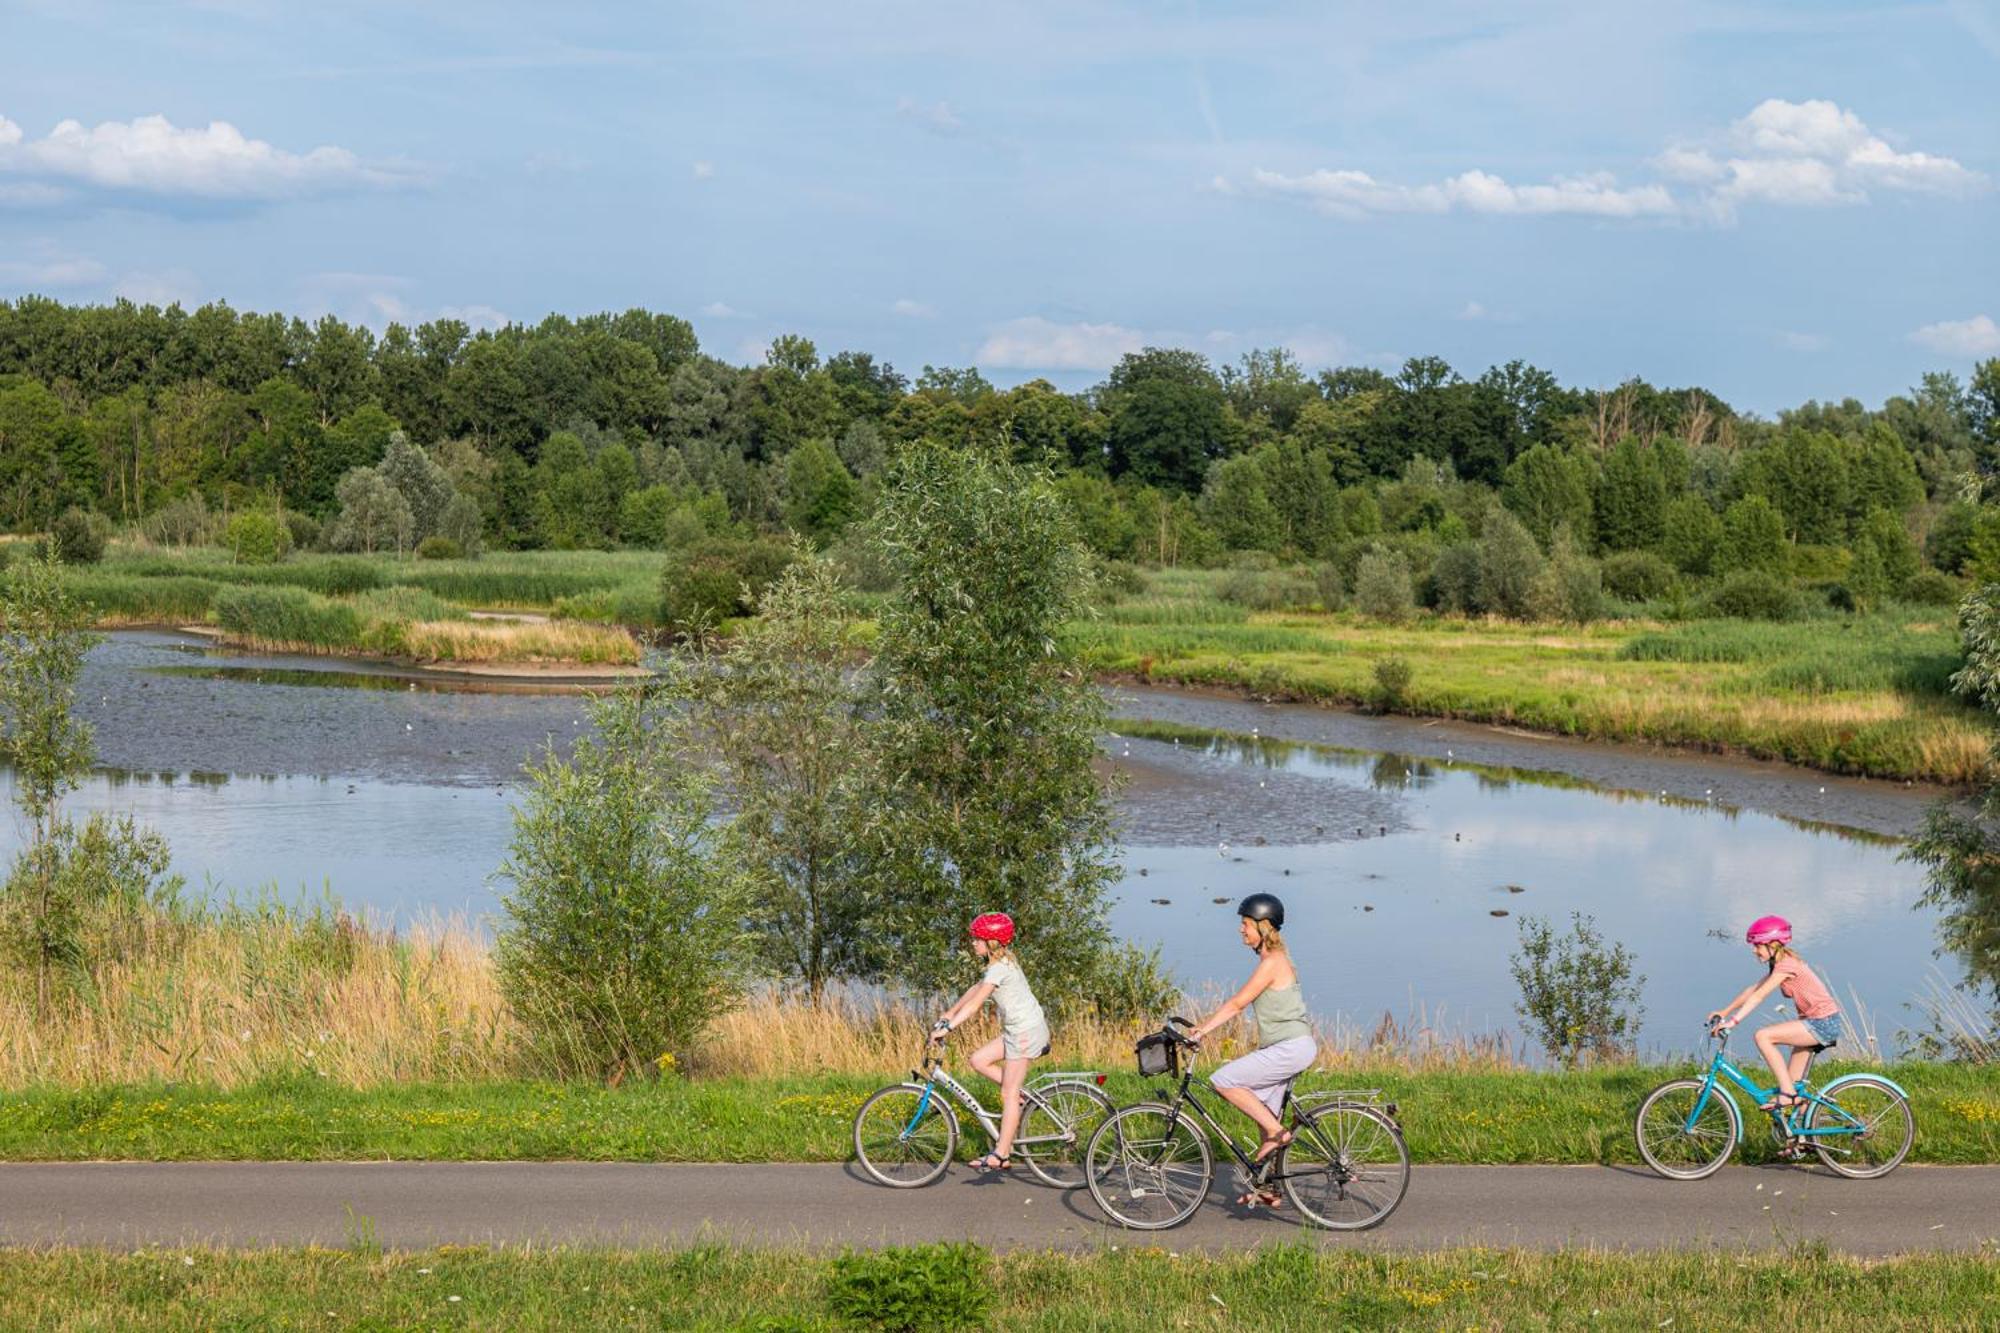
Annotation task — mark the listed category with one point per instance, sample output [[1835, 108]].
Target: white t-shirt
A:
[[1020, 1013]]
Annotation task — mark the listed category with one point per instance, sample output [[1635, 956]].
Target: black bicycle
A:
[[1150, 1165]]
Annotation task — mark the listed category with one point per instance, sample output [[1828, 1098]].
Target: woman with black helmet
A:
[[1255, 1083]]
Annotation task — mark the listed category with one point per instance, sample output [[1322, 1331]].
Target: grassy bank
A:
[[261, 1032], [1448, 1116], [379, 606], [1863, 694], [1148, 1287]]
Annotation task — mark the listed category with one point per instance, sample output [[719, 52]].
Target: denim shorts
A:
[[1826, 1030]]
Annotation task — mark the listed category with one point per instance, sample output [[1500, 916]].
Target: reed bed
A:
[[243, 994]]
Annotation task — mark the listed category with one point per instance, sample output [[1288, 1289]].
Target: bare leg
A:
[[1250, 1104], [1769, 1039], [987, 1059], [1013, 1074], [1800, 1059]]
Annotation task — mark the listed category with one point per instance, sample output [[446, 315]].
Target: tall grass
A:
[[407, 622], [288, 619]]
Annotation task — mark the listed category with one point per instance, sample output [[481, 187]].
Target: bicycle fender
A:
[[1834, 1086]]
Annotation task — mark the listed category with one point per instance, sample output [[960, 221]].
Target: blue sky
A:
[[1778, 201]]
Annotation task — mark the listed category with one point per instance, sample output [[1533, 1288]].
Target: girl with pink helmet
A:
[[1818, 1024], [1024, 1029]]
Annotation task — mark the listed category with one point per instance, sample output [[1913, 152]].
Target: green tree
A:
[[1102, 519], [985, 797], [1236, 506], [787, 714], [374, 516], [1382, 588], [1884, 530], [1579, 997], [1549, 488], [1691, 535], [1509, 565], [624, 935], [424, 486], [1753, 536], [257, 537], [1631, 498], [1867, 581], [1805, 475], [820, 494]]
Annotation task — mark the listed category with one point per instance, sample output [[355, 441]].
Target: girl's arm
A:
[[1751, 998], [1261, 977], [1741, 996], [968, 1005]]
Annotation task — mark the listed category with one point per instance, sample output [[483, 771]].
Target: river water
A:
[[1406, 852]]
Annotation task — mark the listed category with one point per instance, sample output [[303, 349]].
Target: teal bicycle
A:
[[1859, 1125]]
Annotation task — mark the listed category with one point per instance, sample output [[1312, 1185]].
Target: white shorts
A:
[[1267, 1070], [1030, 1045]]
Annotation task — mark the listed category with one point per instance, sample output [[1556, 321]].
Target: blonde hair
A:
[[1268, 938], [998, 950]]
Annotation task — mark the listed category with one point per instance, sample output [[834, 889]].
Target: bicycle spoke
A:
[[1147, 1170], [1685, 1129], [1345, 1168]]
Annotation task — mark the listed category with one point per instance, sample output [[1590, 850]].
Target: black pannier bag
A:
[[1158, 1053]]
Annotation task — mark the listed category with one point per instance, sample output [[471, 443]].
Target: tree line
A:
[[617, 429]]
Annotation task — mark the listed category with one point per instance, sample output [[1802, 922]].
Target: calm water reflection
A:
[[1393, 868]]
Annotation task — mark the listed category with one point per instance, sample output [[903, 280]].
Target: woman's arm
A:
[[1260, 980]]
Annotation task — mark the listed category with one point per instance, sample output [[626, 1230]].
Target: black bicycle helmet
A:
[[1263, 907]]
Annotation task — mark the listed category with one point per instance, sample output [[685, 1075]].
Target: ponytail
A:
[[1269, 940]]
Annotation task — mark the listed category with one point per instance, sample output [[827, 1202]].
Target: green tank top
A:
[[1281, 1015]]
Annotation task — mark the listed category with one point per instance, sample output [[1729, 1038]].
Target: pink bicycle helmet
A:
[[1769, 930], [996, 927]]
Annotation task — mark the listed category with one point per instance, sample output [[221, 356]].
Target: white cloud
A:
[[909, 309], [165, 288], [1975, 337], [476, 315], [721, 310], [1356, 194], [1793, 341], [150, 157], [1034, 343], [704, 171], [937, 117], [1805, 154], [30, 274]]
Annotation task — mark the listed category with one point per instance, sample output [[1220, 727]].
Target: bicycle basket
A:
[[1159, 1053]]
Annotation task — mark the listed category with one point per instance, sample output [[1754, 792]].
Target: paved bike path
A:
[[415, 1204]]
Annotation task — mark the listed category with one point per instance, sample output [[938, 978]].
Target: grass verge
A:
[[1465, 1117], [960, 1286]]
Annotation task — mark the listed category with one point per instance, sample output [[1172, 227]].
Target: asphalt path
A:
[[408, 1205]]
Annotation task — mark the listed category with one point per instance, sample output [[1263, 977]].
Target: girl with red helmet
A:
[[1024, 1029], [1818, 1024]]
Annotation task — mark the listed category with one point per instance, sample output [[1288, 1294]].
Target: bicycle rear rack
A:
[[1371, 1097]]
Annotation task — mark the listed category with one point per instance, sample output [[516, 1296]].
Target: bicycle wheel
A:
[[904, 1135], [1677, 1143], [1069, 1108], [1886, 1128], [1346, 1167], [1147, 1168]]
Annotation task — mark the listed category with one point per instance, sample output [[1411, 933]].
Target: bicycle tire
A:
[[1336, 1147], [1070, 1107], [1892, 1128], [1149, 1168], [1668, 1147], [895, 1150]]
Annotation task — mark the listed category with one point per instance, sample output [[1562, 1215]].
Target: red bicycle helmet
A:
[[1769, 930], [996, 927]]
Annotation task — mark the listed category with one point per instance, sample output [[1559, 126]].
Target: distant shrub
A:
[[76, 540], [1754, 595], [1270, 589], [304, 528], [1120, 578], [185, 522], [1392, 682], [257, 537], [718, 578], [1569, 587], [1332, 588], [1509, 565], [1251, 560], [1949, 544], [1382, 586], [1927, 587], [1637, 576], [439, 548], [1454, 579]]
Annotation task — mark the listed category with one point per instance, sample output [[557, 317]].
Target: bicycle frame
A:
[[1184, 1095], [935, 1075], [1724, 1067]]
